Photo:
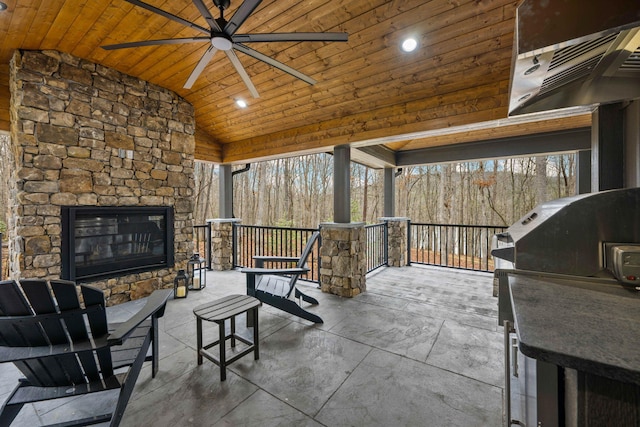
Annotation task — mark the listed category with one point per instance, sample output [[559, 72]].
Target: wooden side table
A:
[[219, 311]]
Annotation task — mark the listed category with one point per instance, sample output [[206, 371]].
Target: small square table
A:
[[219, 311]]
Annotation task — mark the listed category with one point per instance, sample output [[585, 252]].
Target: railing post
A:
[[207, 246], [1, 267], [234, 245], [386, 243], [344, 264], [222, 243], [395, 233], [409, 242]]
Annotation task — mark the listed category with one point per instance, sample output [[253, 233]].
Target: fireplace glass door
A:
[[99, 242]]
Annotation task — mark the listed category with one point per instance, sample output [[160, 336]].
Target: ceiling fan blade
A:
[[243, 74], [277, 64], [243, 12], [155, 42], [200, 67], [291, 37], [168, 15], [207, 15]]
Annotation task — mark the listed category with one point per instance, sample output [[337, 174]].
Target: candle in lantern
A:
[[181, 291], [196, 282]]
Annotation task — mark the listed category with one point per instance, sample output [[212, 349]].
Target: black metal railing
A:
[[465, 247], [377, 246], [202, 242], [250, 240]]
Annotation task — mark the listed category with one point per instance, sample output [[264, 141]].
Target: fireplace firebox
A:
[[108, 241]]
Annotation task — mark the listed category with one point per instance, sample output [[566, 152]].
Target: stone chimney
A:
[[86, 135]]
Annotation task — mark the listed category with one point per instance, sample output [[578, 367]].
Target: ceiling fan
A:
[[221, 34]]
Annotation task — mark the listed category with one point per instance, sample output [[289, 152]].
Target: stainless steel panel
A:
[[571, 54]]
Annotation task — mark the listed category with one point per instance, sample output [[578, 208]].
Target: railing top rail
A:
[[271, 227], [459, 225], [380, 224]]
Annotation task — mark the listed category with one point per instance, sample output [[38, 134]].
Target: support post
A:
[[607, 147], [389, 192], [632, 144], [225, 198], [583, 172], [342, 184]]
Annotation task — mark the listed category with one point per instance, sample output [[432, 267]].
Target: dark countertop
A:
[[579, 324]]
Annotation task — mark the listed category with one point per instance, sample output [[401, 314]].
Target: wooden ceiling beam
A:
[[547, 125], [374, 156], [522, 145]]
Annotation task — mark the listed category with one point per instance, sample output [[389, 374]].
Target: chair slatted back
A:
[[77, 331], [43, 316], [303, 259]]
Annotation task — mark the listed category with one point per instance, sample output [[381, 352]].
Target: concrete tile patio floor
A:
[[420, 348]]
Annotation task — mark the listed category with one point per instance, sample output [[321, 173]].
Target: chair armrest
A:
[[273, 258], [16, 354], [154, 307], [261, 259], [276, 271]]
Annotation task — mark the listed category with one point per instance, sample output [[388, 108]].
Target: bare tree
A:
[[299, 191]]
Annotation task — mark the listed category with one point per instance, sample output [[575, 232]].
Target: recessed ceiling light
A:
[[3, 6], [409, 45], [241, 103]]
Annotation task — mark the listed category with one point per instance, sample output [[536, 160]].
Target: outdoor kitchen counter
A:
[[580, 324]]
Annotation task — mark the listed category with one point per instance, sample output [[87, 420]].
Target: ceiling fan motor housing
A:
[[221, 42], [222, 4]]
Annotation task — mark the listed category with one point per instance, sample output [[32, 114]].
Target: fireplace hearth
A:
[[99, 242]]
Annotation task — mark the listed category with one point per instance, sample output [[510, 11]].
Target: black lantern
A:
[[180, 285], [197, 273]]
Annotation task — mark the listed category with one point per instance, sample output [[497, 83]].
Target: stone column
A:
[[343, 259], [222, 243], [397, 229]]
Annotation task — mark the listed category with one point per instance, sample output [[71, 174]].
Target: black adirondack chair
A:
[[277, 286], [67, 349]]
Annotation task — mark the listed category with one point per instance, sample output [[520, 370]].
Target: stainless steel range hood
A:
[[572, 53]]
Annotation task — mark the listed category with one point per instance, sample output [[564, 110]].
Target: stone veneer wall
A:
[[343, 259], [397, 229], [222, 243], [84, 134]]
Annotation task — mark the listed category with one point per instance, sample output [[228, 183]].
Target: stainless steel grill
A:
[[567, 236]]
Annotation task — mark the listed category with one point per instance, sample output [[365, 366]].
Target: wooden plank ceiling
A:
[[367, 88]]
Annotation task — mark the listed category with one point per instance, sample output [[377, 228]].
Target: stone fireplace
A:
[[84, 135]]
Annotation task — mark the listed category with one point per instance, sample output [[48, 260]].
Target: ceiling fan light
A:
[[221, 43], [409, 45]]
